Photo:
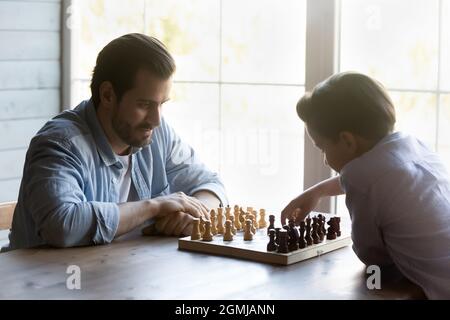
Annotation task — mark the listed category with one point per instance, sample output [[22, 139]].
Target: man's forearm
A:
[[134, 214]]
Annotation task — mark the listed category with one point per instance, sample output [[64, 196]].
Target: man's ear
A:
[[350, 141], [107, 94]]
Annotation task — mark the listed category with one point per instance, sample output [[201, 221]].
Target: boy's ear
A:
[[349, 140]]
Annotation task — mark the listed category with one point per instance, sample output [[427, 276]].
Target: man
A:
[[113, 163]]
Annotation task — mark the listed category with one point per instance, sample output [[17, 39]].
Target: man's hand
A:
[[166, 206], [174, 214]]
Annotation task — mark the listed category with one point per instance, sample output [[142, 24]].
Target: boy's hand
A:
[[301, 206]]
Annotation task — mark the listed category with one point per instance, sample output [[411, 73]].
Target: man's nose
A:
[[154, 116]]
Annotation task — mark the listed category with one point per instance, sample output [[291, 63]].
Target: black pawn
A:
[[301, 240], [271, 223], [272, 246], [283, 247], [293, 236], [308, 238], [315, 235]]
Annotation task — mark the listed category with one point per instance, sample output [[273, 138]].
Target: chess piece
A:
[[272, 246], [220, 229], [242, 218], [249, 209], [202, 225], [252, 218], [308, 238], [212, 215], [331, 232], [320, 228], [233, 227], [338, 226], [277, 235], [248, 235], [314, 234], [255, 219], [301, 241], [324, 230], [207, 235], [293, 236], [196, 235], [262, 219], [228, 235], [271, 223], [227, 213], [283, 246], [237, 222]]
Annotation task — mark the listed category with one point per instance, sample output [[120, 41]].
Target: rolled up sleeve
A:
[[56, 201]]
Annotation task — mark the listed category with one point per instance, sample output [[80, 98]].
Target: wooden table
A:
[[136, 267]]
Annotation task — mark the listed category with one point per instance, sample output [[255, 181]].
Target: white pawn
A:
[[248, 235], [262, 218], [196, 235], [207, 235], [251, 217], [228, 236]]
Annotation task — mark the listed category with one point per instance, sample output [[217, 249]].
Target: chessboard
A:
[[256, 249]]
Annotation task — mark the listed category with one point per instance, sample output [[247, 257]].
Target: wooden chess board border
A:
[[250, 250]]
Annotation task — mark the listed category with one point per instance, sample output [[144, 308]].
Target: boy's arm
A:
[[307, 201]]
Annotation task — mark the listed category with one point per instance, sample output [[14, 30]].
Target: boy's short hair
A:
[[120, 60], [348, 101]]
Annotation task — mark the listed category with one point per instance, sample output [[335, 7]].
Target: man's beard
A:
[[125, 132]]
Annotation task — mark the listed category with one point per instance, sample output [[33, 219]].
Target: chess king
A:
[[397, 190], [113, 163]]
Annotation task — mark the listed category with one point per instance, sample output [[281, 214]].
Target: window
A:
[[384, 39], [240, 72]]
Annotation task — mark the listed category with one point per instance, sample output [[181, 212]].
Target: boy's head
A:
[[346, 115]]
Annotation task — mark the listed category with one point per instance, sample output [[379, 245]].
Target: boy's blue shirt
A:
[[398, 196], [69, 190]]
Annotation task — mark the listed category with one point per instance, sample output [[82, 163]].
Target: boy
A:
[[397, 191]]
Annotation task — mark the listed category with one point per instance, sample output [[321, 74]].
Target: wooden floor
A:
[[136, 267]]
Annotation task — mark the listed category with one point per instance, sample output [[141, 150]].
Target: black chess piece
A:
[[272, 246], [324, 230], [314, 234], [271, 223], [320, 228], [283, 246], [331, 232], [308, 238], [277, 235], [338, 226], [293, 236], [301, 240]]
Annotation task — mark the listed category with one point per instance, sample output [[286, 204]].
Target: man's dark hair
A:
[[121, 59], [348, 101]]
